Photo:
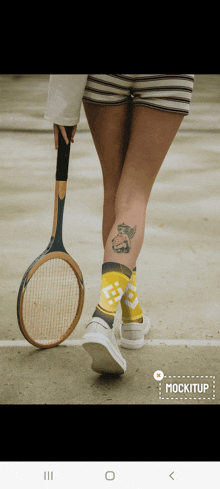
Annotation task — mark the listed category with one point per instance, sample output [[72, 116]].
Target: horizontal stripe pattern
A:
[[165, 92]]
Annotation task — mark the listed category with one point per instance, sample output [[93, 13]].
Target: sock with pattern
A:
[[131, 309], [115, 278]]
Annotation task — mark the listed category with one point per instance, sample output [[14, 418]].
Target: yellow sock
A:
[[115, 278], [131, 309]]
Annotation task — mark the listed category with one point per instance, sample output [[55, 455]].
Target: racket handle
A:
[[63, 154]]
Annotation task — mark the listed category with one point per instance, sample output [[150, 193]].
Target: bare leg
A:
[[110, 126], [152, 132]]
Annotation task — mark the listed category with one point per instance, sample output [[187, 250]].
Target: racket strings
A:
[[51, 301]]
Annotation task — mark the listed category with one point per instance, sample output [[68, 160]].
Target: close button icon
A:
[[110, 476]]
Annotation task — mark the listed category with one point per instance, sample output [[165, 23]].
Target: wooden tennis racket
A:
[[51, 294]]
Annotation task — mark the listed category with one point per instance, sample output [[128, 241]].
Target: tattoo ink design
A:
[[122, 242]]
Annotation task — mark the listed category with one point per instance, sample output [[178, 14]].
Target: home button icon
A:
[[110, 476]]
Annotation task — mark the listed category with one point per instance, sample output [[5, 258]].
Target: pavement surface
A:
[[177, 270]]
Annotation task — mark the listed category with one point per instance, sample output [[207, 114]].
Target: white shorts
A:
[[164, 92]]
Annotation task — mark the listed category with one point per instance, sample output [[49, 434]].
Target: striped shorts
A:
[[164, 92]]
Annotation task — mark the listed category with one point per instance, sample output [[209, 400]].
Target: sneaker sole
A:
[[105, 358], [131, 344]]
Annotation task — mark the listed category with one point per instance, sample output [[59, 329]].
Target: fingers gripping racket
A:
[[51, 294]]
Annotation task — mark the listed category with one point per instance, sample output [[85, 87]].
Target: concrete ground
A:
[[177, 270]]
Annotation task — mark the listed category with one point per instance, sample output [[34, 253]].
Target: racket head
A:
[[50, 299]]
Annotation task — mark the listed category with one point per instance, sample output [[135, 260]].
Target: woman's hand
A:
[[63, 132]]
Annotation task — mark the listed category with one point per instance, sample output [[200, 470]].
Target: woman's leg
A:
[[110, 126], [152, 132], [110, 129]]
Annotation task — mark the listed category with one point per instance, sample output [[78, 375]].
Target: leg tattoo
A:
[[122, 242]]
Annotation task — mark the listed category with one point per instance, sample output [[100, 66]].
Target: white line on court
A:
[[179, 342], [158, 342]]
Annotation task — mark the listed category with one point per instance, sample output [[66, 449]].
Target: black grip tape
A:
[[63, 154]]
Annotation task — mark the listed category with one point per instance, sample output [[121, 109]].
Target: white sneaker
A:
[[100, 342], [132, 334]]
